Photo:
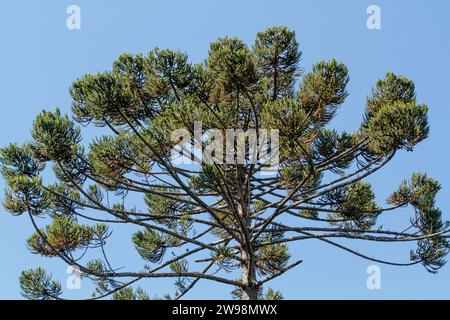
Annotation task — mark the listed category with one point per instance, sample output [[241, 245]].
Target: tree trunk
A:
[[248, 276], [250, 291]]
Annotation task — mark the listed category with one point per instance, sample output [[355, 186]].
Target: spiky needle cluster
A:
[[220, 222]]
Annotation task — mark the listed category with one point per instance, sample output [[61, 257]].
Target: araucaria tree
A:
[[222, 221]]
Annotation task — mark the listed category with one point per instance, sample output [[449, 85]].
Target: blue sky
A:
[[40, 58]]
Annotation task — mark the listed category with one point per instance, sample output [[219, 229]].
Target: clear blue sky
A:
[[40, 57]]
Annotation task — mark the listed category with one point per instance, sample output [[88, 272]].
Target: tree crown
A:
[[222, 222]]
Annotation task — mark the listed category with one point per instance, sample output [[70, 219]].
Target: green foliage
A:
[[287, 116], [273, 295], [64, 234], [272, 258], [420, 191], [63, 200], [270, 294], [180, 116], [104, 285], [163, 206], [397, 126], [165, 70], [206, 180], [355, 204], [96, 266], [277, 56], [129, 293], [20, 171], [431, 253], [329, 144], [25, 194], [36, 284], [299, 176], [229, 220], [224, 258], [99, 97], [231, 67], [19, 160], [179, 267], [73, 172], [323, 90], [134, 90], [111, 158], [55, 137], [391, 89], [150, 245]]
